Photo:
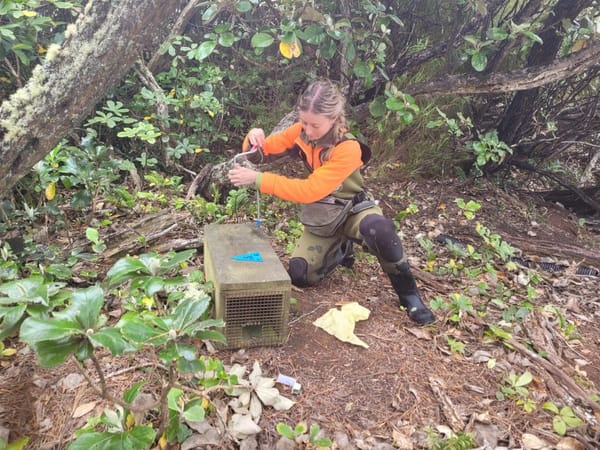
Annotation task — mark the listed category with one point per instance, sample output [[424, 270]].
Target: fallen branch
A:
[[453, 418], [573, 388]]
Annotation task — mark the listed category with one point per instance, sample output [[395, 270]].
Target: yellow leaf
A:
[[130, 421], [41, 50], [148, 302], [29, 13], [8, 352], [290, 51], [162, 442], [50, 191], [18, 445], [205, 403], [578, 45]]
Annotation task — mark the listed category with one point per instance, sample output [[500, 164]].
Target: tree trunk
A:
[[102, 46], [527, 79], [519, 114]]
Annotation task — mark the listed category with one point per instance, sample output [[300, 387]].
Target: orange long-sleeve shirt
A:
[[337, 174]]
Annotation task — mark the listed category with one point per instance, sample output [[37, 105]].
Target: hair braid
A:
[[325, 98]]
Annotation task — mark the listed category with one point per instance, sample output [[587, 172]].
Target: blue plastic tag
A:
[[252, 257]]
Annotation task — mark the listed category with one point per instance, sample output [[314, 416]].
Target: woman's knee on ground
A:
[[301, 274]]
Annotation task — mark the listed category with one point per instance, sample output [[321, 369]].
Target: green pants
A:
[[323, 254]]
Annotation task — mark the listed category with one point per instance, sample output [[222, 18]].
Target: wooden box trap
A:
[[252, 288]]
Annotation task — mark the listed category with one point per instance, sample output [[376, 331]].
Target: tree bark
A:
[[100, 48], [517, 80], [518, 116]]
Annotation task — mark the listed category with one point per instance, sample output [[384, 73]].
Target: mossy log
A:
[[98, 51], [213, 179]]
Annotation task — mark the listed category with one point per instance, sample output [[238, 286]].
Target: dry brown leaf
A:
[[420, 333], [83, 409]]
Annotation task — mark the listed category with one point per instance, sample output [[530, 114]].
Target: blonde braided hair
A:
[[324, 97]]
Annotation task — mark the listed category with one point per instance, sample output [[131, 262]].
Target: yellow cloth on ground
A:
[[340, 322]]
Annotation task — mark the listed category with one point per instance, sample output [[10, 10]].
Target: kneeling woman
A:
[[333, 160]]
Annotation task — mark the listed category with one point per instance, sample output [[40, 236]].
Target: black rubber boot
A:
[[405, 286]]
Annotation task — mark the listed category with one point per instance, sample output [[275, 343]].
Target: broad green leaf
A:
[[174, 260], [394, 104], [191, 366], [60, 271], [549, 406], [406, 117], [135, 329], [498, 34], [473, 40], [338, 35], [261, 40], [226, 39], [124, 269], [377, 107], [559, 425], [112, 339], [130, 394], [85, 306], [328, 48], [11, 318], [210, 12], [37, 330], [174, 399], [313, 34], [361, 69], [300, 428], [211, 335], [479, 61], [285, 430], [194, 412], [187, 312], [243, 6], [54, 353], [205, 50], [534, 37], [29, 290], [524, 379], [139, 438], [350, 51], [152, 285], [168, 354], [569, 417], [187, 352], [92, 234]]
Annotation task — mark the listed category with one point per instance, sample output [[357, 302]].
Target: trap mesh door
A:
[[255, 318]]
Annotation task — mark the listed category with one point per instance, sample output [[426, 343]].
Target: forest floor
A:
[[412, 385]]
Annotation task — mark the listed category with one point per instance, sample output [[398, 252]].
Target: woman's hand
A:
[[242, 176], [256, 137]]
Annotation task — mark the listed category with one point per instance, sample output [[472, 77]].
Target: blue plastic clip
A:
[[252, 257]]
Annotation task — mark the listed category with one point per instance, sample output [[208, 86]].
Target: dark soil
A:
[[408, 385]]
